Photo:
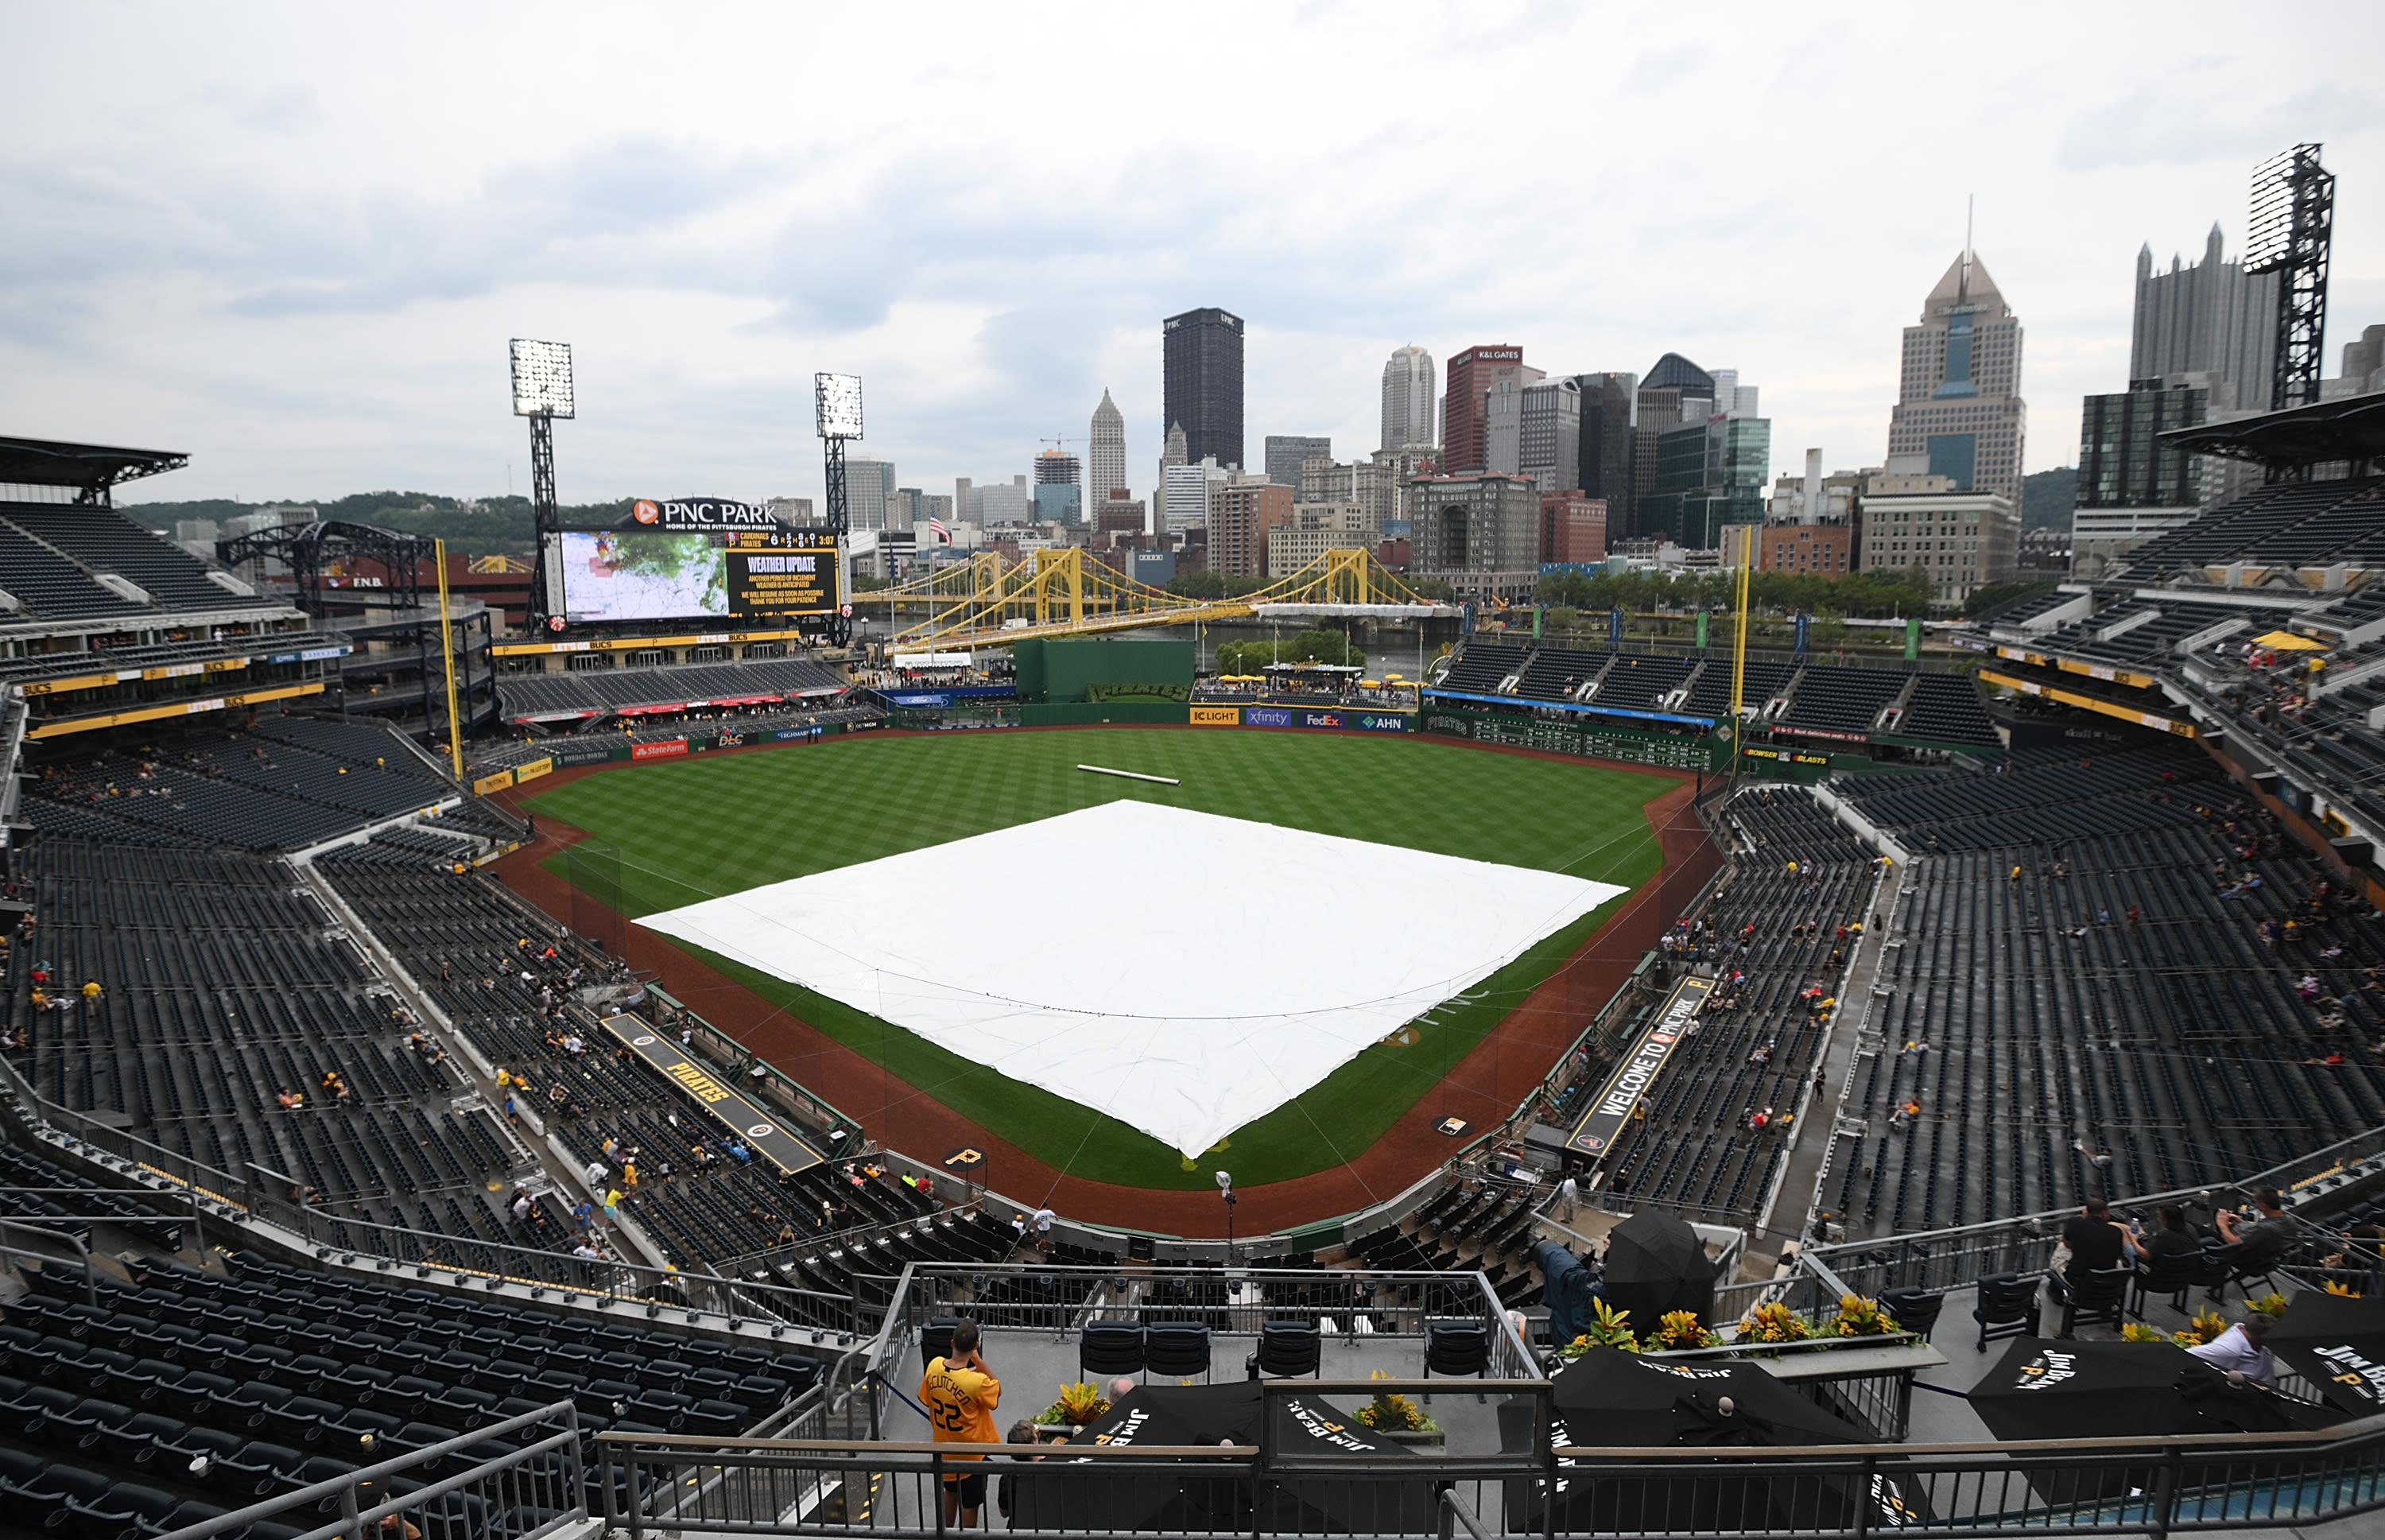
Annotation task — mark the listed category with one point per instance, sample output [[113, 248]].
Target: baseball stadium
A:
[[1473, 1068]]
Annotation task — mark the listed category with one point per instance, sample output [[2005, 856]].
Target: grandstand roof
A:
[[87, 467], [2353, 428]]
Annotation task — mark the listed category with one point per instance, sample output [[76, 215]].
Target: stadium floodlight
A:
[[2291, 235], [836, 404], [541, 378]]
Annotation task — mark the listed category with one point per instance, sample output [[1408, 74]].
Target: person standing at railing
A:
[[961, 1393]]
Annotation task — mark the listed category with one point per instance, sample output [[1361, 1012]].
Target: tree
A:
[[1213, 585], [1309, 647]]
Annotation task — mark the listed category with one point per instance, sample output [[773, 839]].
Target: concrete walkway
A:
[[1790, 1215]]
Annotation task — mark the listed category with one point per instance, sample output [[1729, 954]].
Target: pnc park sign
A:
[[1595, 1134], [701, 513]]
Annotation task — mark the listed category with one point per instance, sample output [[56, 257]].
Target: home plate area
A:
[[1182, 972]]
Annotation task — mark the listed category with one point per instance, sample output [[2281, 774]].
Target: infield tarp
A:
[[1188, 974]]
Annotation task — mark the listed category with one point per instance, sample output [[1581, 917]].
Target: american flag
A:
[[936, 527]]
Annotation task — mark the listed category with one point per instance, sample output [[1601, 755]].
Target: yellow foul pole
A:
[[447, 651], [1738, 644]]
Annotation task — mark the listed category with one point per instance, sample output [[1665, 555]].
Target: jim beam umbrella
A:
[[2338, 1344], [1618, 1401], [2072, 1389], [1097, 1500]]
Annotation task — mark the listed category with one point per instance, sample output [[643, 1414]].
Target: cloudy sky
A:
[[292, 239]]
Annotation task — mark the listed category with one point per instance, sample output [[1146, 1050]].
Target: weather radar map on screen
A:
[[642, 575]]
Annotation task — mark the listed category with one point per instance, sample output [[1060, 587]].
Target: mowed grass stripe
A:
[[700, 828]]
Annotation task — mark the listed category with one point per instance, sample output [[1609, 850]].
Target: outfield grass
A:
[[699, 828]]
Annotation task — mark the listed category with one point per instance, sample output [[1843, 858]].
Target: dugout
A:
[[1058, 671]]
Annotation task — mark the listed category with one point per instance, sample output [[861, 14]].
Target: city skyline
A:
[[308, 289]]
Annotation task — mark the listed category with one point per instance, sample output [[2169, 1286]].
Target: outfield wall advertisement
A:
[[1336, 718]]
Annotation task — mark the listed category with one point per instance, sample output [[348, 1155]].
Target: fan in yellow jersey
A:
[[960, 1394]]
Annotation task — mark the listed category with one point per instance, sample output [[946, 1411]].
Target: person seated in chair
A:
[[2239, 1350], [2096, 1243], [2169, 1238], [2263, 1239]]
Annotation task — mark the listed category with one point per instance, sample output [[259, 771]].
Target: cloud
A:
[[2146, 128], [317, 266]]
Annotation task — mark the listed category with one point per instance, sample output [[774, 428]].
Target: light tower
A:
[[2292, 230], [836, 412], [541, 373]]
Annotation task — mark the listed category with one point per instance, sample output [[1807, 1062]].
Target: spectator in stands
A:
[[289, 1100], [2239, 1350], [2095, 1242], [961, 1394], [2266, 1238], [91, 993], [1041, 1222], [2170, 1237]]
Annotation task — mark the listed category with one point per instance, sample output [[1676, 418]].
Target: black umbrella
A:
[[1609, 1399], [1309, 1430], [1152, 1415], [2072, 1389], [1656, 1263], [2338, 1344]]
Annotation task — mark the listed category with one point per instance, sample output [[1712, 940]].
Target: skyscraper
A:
[[1202, 382], [870, 485], [1610, 408], [1408, 381], [2208, 318], [1285, 451], [1958, 402], [1105, 453], [1549, 443], [1059, 495], [1465, 425]]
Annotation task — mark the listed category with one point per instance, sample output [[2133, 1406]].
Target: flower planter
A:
[[1417, 1437]]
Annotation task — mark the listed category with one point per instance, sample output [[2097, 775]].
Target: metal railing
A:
[[1535, 1483], [1940, 1260], [470, 1261], [455, 1489], [1062, 1300]]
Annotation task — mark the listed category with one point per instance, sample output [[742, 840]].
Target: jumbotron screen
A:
[[782, 574], [744, 575]]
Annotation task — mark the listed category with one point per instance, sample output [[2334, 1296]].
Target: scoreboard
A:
[[781, 574]]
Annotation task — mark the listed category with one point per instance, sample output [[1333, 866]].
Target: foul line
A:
[[1131, 775]]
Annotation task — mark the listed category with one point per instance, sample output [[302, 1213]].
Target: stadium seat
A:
[[45, 1502], [1288, 1349], [122, 1512], [2170, 1277], [1915, 1310], [1108, 1348], [936, 1339], [1457, 1347], [2007, 1306], [2100, 1296], [1177, 1350]]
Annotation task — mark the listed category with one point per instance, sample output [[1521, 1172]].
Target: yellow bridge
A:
[[988, 602]]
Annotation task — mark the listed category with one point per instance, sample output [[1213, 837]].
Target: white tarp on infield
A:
[[1184, 973]]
